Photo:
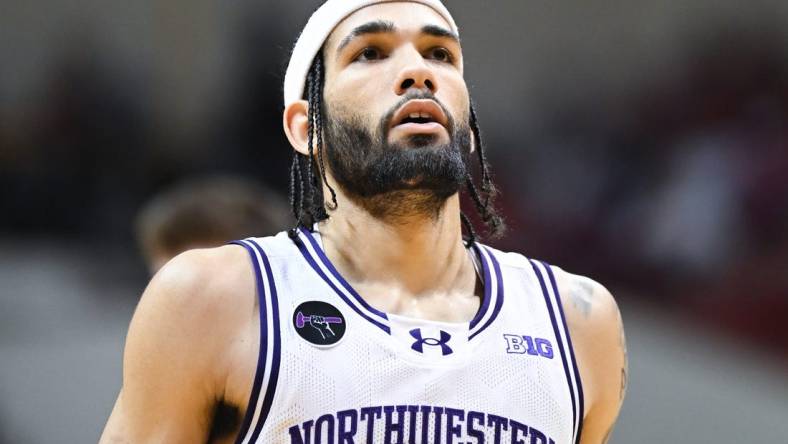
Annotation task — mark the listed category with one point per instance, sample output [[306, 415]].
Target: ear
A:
[[296, 125]]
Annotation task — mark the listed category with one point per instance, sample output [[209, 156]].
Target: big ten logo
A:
[[516, 344]]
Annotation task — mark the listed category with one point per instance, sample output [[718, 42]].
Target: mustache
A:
[[413, 94]]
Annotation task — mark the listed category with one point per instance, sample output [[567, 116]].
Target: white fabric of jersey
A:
[[508, 376]]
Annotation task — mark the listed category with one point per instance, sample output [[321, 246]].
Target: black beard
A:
[[396, 181]]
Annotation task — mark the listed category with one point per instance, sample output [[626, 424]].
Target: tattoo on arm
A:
[[624, 373], [582, 293]]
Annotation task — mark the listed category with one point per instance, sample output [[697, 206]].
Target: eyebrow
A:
[[387, 27], [376, 27], [437, 31]]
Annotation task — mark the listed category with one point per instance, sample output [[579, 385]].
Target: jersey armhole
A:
[[556, 311], [269, 353]]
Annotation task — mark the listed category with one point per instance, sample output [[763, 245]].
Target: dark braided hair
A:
[[306, 197], [306, 172]]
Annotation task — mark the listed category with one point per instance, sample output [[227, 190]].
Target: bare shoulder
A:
[[177, 358], [194, 269], [175, 363], [597, 331], [192, 306], [203, 287], [588, 305]]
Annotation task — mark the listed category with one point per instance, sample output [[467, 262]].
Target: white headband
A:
[[317, 30]]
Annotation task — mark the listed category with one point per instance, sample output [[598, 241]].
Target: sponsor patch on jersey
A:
[[319, 323], [421, 341], [524, 344]]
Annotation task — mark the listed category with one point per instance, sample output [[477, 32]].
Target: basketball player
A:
[[373, 321], [206, 212]]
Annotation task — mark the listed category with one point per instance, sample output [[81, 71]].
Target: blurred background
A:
[[642, 143]]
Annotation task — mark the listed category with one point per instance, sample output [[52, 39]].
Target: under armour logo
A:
[[419, 344]]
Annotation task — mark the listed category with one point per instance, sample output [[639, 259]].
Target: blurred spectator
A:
[[207, 212]]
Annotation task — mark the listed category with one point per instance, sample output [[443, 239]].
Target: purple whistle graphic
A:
[[301, 320]]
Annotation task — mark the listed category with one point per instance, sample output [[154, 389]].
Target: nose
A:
[[416, 74]]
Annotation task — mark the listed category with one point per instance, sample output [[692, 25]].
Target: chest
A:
[[422, 380], [335, 369]]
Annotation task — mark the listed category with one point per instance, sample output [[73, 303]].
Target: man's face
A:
[[396, 103]]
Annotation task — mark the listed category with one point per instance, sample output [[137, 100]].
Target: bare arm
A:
[[598, 336], [172, 367]]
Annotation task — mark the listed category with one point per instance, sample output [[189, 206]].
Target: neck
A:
[[410, 255]]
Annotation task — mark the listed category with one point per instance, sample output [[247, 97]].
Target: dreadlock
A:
[[306, 197], [308, 171]]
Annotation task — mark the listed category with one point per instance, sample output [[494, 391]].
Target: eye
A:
[[441, 54], [369, 54]]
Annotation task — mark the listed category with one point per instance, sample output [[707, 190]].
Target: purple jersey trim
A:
[[272, 380], [362, 306], [499, 296], [324, 259], [559, 341], [263, 350], [487, 287], [571, 352], [305, 252]]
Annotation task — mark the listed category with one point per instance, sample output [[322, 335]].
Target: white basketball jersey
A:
[[332, 369]]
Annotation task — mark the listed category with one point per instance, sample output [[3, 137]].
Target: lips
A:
[[420, 112]]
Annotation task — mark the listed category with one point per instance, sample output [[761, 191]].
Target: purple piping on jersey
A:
[[487, 288], [258, 376], [571, 352], [499, 297], [305, 252], [324, 259], [560, 342], [272, 380]]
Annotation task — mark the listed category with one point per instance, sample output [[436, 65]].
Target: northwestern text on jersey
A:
[[415, 424]]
